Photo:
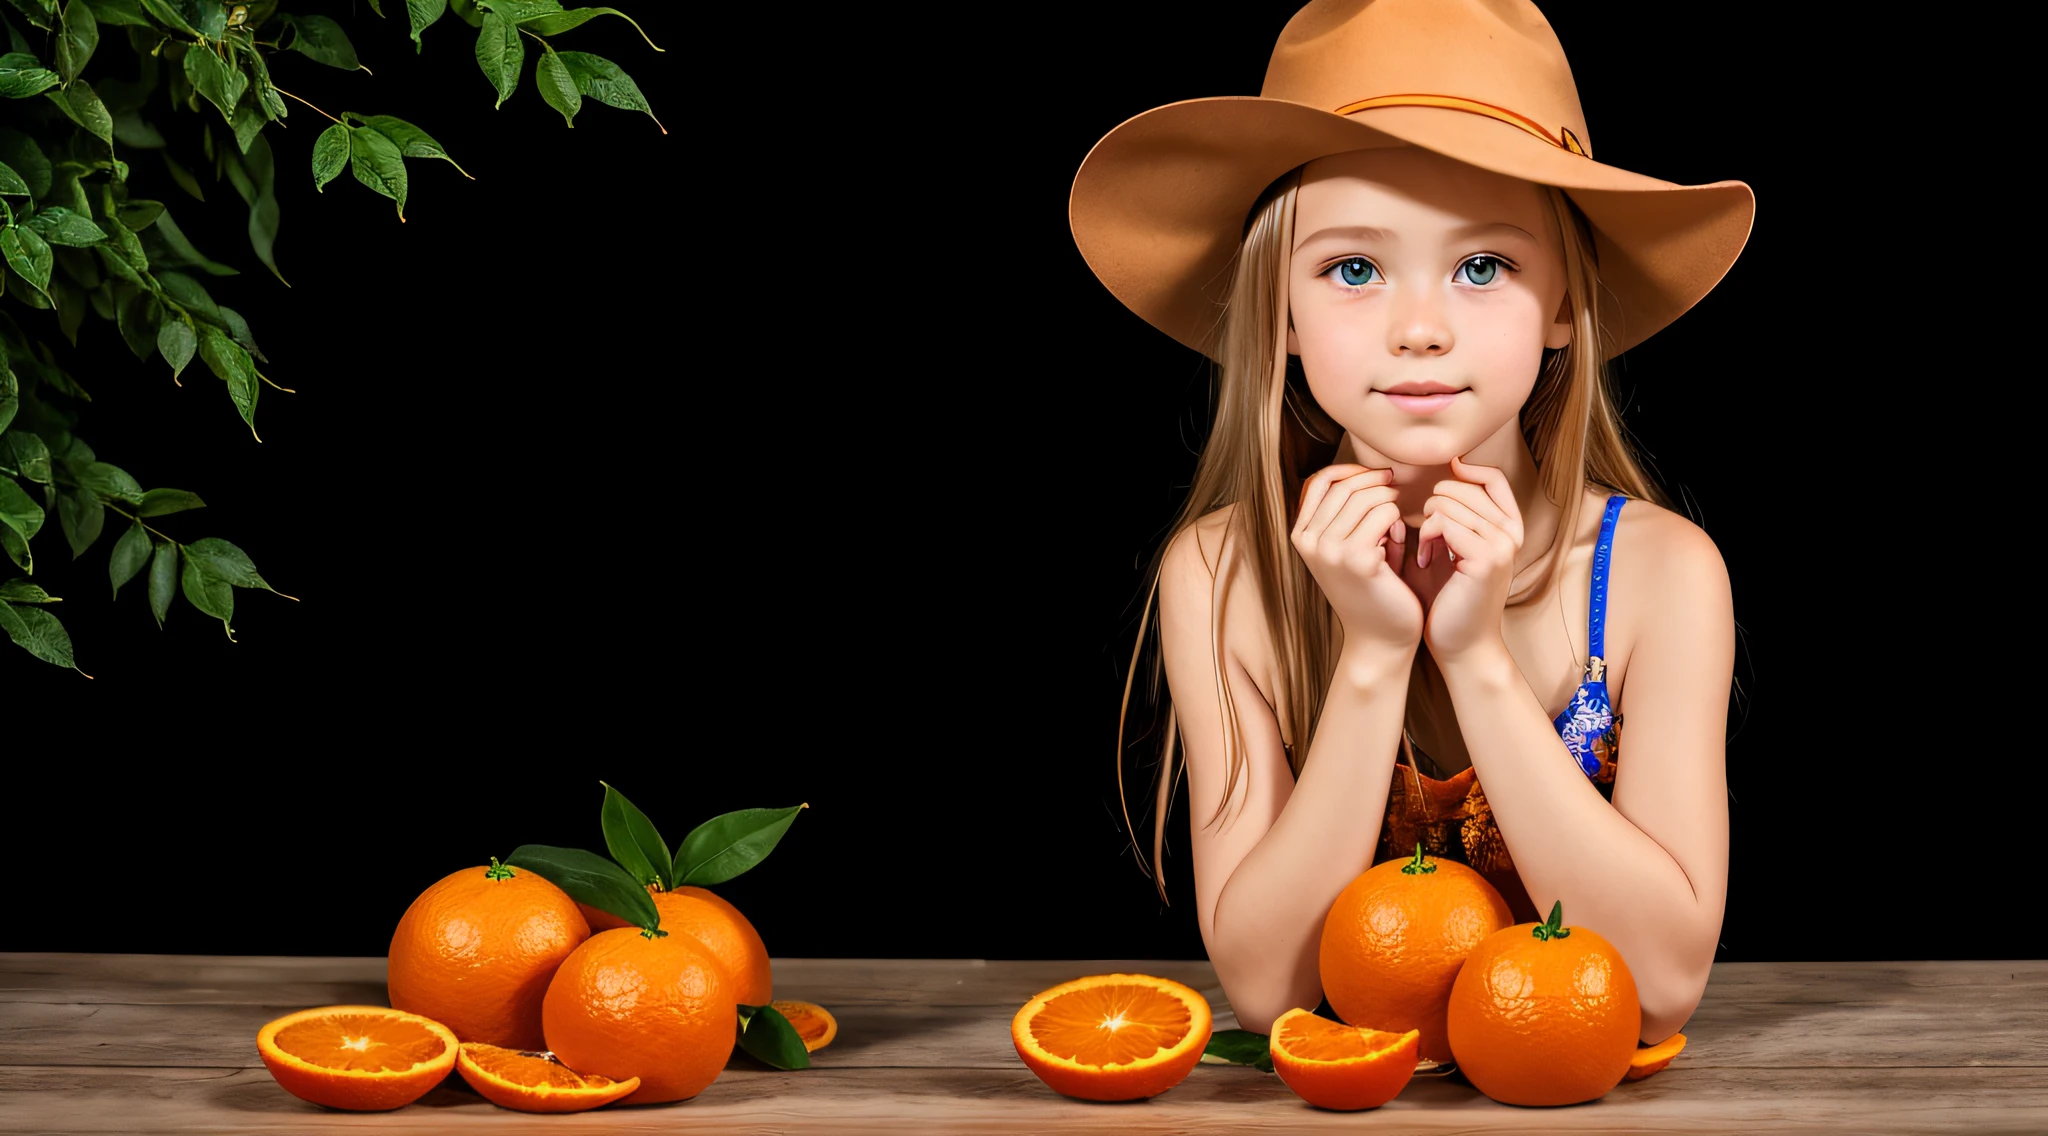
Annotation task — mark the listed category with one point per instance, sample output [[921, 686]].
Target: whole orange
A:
[[1545, 1014], [476, 951], [1395, 938], [660, 1009], [710, 920]]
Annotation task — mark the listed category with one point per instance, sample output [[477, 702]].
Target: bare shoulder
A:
[[1666, 555], [1205, 587], [1195, 555]]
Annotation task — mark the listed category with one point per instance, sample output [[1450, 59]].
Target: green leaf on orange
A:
[[768, 1037], [590, 879], [632, 840], [727, 845]]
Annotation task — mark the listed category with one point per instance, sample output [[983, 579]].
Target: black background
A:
[[795, 455]]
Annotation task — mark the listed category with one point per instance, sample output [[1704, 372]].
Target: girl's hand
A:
[[1350, 534], [1473, 517]]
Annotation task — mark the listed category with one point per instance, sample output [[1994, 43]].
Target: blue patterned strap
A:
[[1596, 632]]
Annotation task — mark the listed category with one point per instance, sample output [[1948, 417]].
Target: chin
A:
[[1420, 448]]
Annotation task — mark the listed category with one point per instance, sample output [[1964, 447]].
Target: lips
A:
[[1422, 398]]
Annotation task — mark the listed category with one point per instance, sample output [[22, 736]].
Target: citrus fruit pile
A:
[[1419, 960], [495, 972]]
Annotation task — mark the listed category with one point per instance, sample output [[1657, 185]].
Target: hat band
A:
[[1563, 140]]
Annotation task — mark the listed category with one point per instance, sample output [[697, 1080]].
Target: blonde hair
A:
[[1269, 435]]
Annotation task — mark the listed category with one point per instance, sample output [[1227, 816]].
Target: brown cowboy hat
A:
[[1159, 206]]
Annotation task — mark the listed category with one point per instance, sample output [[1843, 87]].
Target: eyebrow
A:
[[1369, 233]]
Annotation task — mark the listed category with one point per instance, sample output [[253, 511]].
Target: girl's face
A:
[[1423, 292]]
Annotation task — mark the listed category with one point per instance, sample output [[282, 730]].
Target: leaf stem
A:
[[133, 517], [289, 95]]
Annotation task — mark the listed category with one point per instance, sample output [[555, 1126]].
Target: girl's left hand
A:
[[1474, 515]]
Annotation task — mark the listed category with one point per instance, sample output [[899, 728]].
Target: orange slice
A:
[[362, 1058], [1112, 1037], [535, 1082], [814, 1023], [1332, 1065], [1648, 1061]]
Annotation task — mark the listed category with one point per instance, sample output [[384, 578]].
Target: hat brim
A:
[[1159, 205]]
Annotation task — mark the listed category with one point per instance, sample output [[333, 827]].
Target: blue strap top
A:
[[1588, 725]]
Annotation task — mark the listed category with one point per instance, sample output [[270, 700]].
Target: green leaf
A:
[[120, 12], [727, 845], [188, 292], [321, 39], [76, 39], [27, 254], [412, 142], [80, 514], [40, 13], [633, 842], [519, 10], [61, 226], [183, 177], [157, 502], [238, 328], [231, 363], [16, 547], [10, 400], [601, 79], [39, 633], [555, 23], [24, 157], [422, 14], [376, 162], [82, 106], [209, 594], [21, 591], [590, 879], [181, 250], [163, 580], [1240, 1047], [23, 75], [247, 122], [19, 514], [107, 481], [501, 54], [176, 341], [11, 183], [224, 561], [25, 455], [770, 1039], [172, 14], [330, 154], [131, 552], [140, 213], [139, 317], [212, 77], [556, 85]]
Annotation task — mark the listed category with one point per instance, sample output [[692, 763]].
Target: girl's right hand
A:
[[1350, 534]]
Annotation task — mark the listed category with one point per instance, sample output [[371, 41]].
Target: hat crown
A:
[[1337, 53]]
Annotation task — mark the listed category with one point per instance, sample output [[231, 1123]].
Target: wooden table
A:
[[167, 1043]]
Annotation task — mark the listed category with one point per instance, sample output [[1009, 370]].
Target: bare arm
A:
[[1649, 872], [1267, 870]]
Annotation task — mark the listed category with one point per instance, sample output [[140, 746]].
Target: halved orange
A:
[[1112, 1037], [1332, 1065], [814, 1023], [362, 1058], [1651, 1059], [535, 1082]]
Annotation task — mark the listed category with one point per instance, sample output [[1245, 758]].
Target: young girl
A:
[[1418, 556]]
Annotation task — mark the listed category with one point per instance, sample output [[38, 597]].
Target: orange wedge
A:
[[1655, 1057], [1111, 1037], [814, 1023], [1332, 1065], [535, 1082], [361, 1058]]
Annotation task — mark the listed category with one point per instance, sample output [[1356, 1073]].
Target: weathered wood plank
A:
[[1212, 1099], [1754, 1015]]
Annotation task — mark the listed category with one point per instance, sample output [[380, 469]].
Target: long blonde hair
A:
[[1269, 435]]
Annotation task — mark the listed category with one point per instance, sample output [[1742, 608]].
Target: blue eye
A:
[[1480, 270], [1356, 272]]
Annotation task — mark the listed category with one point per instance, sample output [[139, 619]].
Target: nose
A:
[[1420, 325]]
